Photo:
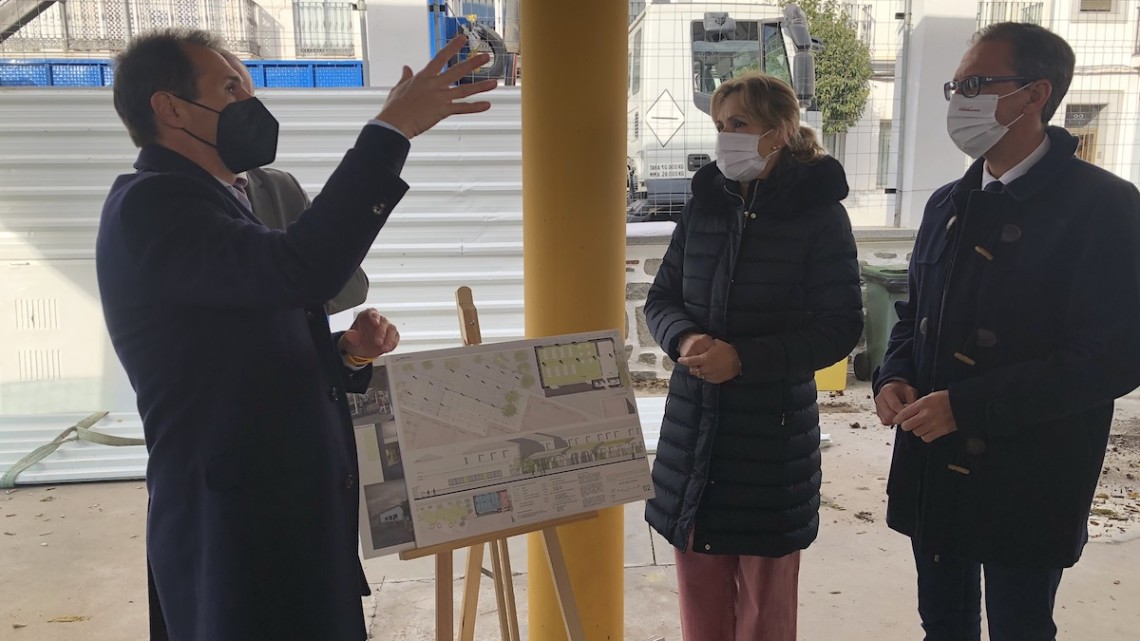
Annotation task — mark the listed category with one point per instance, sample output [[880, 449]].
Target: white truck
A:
[[679, 52]]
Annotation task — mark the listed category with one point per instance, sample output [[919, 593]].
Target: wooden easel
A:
[[500, 559], [501, 573]]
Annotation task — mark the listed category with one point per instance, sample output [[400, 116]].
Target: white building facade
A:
[[1101, 106]]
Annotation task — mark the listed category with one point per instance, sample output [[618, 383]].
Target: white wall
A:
[[868, 204], [277, 30], [395, 34]]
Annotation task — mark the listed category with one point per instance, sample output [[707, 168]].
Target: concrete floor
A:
[[71, 559]]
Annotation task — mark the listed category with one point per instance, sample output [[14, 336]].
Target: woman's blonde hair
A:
[[771, 101]]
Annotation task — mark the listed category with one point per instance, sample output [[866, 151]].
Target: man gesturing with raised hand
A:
[[218, 322]]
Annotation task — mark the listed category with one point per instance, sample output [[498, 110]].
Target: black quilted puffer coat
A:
[[738, 464]]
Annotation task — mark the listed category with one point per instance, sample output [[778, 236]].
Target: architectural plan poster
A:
[[385, 514], [501, 435]]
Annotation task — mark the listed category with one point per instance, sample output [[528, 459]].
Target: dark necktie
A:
[[995, 187]]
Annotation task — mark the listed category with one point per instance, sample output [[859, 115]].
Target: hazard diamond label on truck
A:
[[664, 118]]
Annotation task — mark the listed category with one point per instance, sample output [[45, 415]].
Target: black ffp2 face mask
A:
[[246, 136]]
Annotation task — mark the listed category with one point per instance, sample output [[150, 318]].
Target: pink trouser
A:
[[737, 598]]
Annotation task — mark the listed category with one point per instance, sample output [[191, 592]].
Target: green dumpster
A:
[[886, 285]]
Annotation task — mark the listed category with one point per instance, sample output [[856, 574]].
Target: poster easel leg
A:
[[500, 589], [471, 592], [444, 597], [562, 587], [509, 589], [504, 591]]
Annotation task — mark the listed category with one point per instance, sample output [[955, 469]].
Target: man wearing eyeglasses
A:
[[1022, 328]]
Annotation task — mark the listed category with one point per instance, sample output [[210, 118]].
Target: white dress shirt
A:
[[1018, 170]]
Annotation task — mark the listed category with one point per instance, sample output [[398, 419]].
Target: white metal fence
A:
[[266, 29], [1101, 107], [94, 27]]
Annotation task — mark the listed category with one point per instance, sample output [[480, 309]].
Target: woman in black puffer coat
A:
[[759, 289]]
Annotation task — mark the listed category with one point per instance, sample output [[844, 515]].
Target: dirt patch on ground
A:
[[1116, 508], [852, 401], [838, 408]]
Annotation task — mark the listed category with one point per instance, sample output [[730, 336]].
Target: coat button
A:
[[707, 547], [1010, 233], [349, 482], [986, 338], [922, 325], [334, 394], [379, 209], [975, 446]]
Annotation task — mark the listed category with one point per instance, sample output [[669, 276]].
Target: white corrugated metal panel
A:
[[461, 224]]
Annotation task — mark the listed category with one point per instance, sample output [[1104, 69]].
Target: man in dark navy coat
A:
[[1022, 328], [218, 321]]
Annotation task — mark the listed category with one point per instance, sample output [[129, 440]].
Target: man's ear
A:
[[168, 110], [1039, 94]]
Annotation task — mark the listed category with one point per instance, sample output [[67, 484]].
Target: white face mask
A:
[[972, 122], [738, 156]]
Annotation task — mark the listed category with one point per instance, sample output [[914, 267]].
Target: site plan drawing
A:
[[489, 437], [385, 513]]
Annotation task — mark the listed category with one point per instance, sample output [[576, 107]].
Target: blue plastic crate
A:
[[288, 74], [56, 73], [100, 73], [25, 74], [338, 74], [77, 74], [257, 72]]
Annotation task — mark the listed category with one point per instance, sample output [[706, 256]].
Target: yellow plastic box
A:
[[833, 378]]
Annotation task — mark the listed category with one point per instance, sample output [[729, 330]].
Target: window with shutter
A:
[[1096, 6], [883, 170]]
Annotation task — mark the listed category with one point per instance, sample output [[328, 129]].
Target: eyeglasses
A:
[[971, 86]]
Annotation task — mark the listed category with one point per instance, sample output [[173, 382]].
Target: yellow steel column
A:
[[574, 148]]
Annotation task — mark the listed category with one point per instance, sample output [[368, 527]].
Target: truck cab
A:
[[679, 53]]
